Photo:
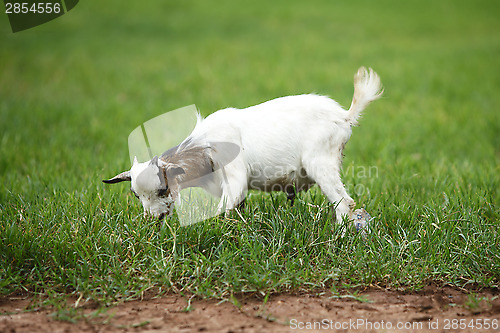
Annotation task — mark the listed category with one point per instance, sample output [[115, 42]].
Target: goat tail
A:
[[367, 88]]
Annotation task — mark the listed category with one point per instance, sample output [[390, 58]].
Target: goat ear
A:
[[122, 177], [174, 171]]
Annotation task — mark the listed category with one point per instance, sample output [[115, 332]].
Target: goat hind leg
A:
[[328, 179]]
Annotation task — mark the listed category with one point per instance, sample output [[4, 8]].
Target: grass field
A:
[[73, 89]]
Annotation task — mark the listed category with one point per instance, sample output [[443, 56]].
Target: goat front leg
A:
[[234, 189]]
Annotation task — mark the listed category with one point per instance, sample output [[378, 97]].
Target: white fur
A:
[[145, 184], [296, 140], [289, 141]]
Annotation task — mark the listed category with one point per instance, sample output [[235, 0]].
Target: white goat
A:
[[286, 144]]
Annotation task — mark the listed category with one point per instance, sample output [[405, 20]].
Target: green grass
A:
[[72, 90]]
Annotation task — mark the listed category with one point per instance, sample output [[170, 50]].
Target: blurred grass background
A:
[[72, 90]]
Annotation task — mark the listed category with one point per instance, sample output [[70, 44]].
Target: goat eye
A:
[[162, 192], [135, 193]]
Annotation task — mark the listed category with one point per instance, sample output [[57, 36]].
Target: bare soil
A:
[[433, 309]]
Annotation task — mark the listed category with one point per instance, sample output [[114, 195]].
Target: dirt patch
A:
[[432, 309]]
